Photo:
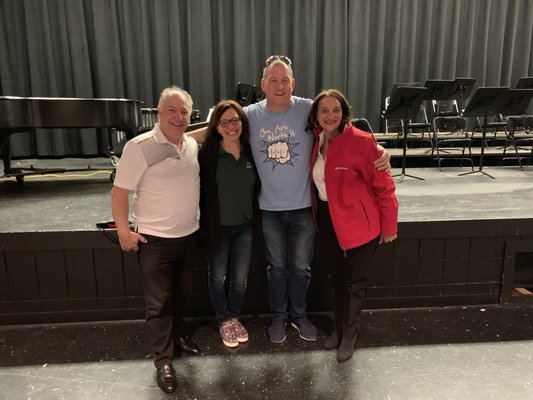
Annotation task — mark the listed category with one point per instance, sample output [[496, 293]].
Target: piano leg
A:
[[5, 153]]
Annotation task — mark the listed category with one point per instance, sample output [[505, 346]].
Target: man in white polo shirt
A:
[[161, 167]]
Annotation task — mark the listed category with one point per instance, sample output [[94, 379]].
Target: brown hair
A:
[[221, 108], [345, 107]]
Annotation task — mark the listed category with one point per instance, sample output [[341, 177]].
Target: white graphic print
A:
[[278, 147]]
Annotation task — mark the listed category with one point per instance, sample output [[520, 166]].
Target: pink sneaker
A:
[[240, 331], [229, 337]]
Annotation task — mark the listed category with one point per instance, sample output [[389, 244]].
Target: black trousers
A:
[[166, 273], [347, 270]]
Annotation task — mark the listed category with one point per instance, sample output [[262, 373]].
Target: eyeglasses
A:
[[224, 123], [271, 59]]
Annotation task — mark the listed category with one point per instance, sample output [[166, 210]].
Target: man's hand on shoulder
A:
[[383, 162]]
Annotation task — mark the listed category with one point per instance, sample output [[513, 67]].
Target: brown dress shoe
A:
[[166, 378]]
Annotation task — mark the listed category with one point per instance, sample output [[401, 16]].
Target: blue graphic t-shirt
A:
[[281, 148]]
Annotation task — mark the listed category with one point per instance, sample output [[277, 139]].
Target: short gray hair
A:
[[275, 62], [173, 91]]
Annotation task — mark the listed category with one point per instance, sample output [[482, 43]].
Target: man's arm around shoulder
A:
[[200, 134]]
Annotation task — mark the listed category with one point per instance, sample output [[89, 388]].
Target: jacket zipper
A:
[[366, 215]]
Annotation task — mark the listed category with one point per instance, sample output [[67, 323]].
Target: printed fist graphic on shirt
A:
[[279, 151]]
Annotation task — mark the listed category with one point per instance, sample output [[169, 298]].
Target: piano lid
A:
[[18, 113]]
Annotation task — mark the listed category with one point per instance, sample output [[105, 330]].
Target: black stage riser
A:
[[81, 275]]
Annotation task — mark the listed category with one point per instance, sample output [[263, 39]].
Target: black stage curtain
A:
[[134, 48]]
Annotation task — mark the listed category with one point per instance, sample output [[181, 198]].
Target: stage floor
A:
[[78, 200]]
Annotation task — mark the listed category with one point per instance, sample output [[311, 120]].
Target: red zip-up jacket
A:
[[361, 199]]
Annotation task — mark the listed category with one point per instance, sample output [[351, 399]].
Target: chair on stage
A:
[[499, 122], [515, 105], [362, 124], [449, 126], [495, 124], [516, 124], [451, 140], [447, 108], [405, 103], [439, 93]]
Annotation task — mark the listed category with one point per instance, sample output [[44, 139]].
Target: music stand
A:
[[525, 82], [398, 84], [515, 102], [486, 101], [404, 104], [393, 89], [256, 95], [439, 89], [462, 89], [243, 92], [246, 94]]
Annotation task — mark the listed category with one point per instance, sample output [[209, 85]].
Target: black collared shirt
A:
[[235, 188]]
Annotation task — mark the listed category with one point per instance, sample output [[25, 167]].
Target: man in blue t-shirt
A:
[[281, 148]]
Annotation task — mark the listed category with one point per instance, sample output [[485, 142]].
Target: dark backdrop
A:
[[134, 48]]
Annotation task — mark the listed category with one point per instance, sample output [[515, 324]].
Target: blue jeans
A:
[[235, 254], [289, 244]]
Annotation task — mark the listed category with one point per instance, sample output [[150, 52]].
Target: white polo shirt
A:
[[166, 181]]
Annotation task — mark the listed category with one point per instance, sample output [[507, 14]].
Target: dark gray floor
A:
[[443, 353]]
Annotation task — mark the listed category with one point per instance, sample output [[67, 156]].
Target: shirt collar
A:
[[222, 151], [161, 138]]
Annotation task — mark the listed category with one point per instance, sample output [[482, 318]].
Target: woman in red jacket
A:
[[357, 209]]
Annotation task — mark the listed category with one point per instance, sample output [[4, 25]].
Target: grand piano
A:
[[23, 114]]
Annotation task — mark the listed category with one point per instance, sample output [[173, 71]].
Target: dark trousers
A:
[[347, 270], [166, 273]]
